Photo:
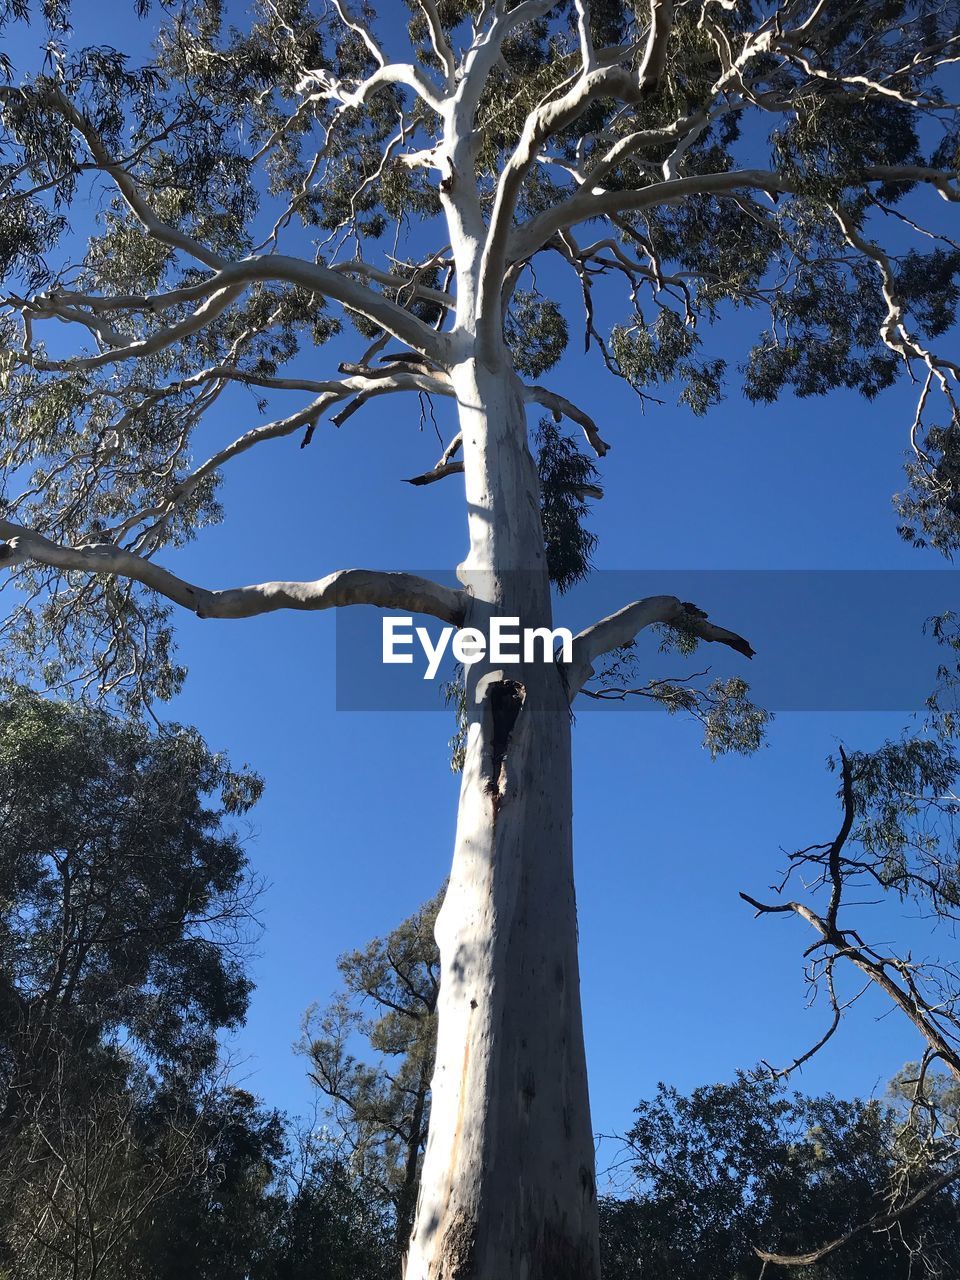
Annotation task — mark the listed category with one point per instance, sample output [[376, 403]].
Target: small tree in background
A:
[[381, 1110], [702, 155]]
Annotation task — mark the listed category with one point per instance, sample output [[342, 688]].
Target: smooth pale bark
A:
[[508, 1188]]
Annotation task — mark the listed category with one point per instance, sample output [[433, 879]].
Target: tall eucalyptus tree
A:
[[703, 154]]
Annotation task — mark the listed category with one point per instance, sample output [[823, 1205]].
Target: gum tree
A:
[[419, 184]]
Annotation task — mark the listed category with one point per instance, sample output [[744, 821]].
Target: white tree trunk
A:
[[508, 1189]]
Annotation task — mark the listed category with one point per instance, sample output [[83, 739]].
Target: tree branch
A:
[[439, 472], [403, 73], [907, 998], [593, 82], [345, 587], [589, 203], [438, 39], [879, 1222], [320, 279], [227, 284], [560, 406], [55, 100], [358, 390], [620, 629]]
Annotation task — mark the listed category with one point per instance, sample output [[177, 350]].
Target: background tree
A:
[[126, 902], [332, 1227], [91, 1159], [125, 913], [381, 1109], [704, 1177], [224, 1220], [702, 155], [897, 847]]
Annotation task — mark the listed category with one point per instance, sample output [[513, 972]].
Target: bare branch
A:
[[904, 990], [361, 388], [439, 472], [560, 406], [345, 587], [620, 629], [215, 305], [410, 287]]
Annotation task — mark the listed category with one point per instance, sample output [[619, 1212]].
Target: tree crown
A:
[[323, 172]]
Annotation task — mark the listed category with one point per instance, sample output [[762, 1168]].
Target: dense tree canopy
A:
[[269, 187], [727, 1169], [126, 901], [125, 917]]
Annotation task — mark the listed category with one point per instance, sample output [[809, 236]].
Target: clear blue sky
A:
[[356, 825]]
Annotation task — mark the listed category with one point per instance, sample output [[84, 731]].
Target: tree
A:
[[224, 1220], [712, 1173], [125, 911], [126, 903], [703, 155], [331, 1228], [382, 1109], [897, 838], [125, 916]]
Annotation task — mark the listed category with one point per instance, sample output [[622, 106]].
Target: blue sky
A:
[[356, 825]]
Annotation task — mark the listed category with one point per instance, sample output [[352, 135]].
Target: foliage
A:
[[331, 1229], [222, 1222], [730, 1167], [281, 142], [125, 917], [454, 694], [536, 333], [647, 355], [381, 1109], [125, 921], [270, 1203], [722, 707], [566, 477], [126, 900]]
